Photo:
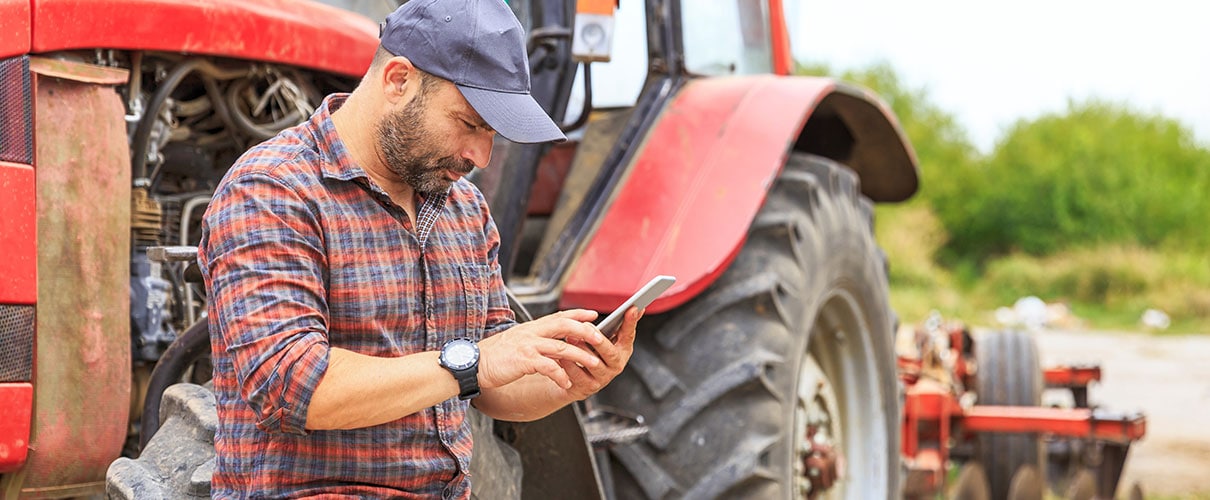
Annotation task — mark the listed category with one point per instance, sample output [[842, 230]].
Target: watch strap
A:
[[468, 382]]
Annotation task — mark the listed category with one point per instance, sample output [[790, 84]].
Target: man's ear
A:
[[398, 78]]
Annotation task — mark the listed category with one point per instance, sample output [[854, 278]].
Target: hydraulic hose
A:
[[259, 132], [142, 133], [182, 353]]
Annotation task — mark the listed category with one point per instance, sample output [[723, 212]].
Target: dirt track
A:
[[1166, 377]]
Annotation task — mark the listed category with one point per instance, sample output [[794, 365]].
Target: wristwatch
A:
[[461, 357]]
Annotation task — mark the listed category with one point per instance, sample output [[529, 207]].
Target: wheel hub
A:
[[818, 464], [821, 465]]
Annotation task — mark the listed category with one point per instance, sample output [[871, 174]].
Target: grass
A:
[[1106, 287]]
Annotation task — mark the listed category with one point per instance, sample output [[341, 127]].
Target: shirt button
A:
[[447, 493]]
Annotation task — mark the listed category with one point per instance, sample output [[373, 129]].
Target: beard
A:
[[411, 150]]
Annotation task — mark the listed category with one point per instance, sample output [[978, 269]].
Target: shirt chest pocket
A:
[[475, 278]]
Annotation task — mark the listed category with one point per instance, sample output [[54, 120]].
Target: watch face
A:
[[460, 354]]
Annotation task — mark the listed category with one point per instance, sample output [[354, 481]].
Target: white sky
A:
[[991, 63]]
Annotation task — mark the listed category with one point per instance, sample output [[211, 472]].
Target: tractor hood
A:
[[293, 32]]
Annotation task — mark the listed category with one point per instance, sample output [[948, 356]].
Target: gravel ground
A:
[[1167, 378]]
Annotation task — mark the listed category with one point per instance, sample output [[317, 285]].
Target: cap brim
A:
[[516, 117]]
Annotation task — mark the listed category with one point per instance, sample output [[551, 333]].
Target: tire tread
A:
[[709, 378]]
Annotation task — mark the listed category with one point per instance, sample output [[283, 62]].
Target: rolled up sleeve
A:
[[265, 269]]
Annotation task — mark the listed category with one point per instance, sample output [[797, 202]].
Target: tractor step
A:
[[611, 427]]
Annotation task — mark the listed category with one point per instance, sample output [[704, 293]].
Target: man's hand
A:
[[546, 346], [587, 380]]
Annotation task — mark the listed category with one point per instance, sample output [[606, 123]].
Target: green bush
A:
[[1097, 173], [1099, 205], [1090, 276]]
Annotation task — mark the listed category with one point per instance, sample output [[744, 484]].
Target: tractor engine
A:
[[188, 120]]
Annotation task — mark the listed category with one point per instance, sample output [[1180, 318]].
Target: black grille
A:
[[16, 343], [16, 111]]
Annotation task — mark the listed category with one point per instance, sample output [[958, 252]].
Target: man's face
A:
[[423, 142]]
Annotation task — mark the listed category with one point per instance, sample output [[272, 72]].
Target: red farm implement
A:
[[975, 403]]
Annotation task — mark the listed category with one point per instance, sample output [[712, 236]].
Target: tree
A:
[[1099, 172]]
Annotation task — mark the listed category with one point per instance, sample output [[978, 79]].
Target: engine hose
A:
[[180, 355], [142, 133], [220, 109], [258, 131], [220, 105]]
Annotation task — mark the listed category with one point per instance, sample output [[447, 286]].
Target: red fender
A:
[[703, 173], [293, 32]]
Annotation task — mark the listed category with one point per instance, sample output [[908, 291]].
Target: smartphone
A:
[[642, 298]]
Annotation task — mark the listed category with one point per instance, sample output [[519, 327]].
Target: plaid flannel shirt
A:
[[301, 251]]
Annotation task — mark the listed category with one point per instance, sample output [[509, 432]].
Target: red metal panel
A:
[[694, 188], [14, 27], [296, 32], [16, 403], [928, 408], [928, 399], [18, 235], [783, 58], [1078, 422], [1071, 376]]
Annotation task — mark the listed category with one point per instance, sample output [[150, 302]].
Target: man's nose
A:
[[479, 150]]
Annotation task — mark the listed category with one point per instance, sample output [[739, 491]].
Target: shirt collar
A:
[[337, 164]]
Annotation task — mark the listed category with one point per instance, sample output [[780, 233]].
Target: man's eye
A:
[[469, 125]]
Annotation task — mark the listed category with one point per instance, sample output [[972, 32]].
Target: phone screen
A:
[[642, 298]]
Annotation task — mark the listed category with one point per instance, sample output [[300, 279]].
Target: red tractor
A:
[[768, 370]]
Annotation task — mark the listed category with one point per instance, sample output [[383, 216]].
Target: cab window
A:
[[726, 37]]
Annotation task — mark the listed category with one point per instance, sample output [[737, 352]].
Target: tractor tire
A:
[[971, 484], [786, 358], [1008, 375]]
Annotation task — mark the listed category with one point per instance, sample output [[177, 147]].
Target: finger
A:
[[556, 349], [583, 383], [586, 347], [553, 371], [615, 354], [606, 371], [580, 376], [626, 332], [576, 314], [578, 330], [608, 352], [567, 329]]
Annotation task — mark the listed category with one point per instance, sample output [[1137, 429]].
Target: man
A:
[[352, 273]]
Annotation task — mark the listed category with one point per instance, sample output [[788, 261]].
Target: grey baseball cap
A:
[[479, 46]]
